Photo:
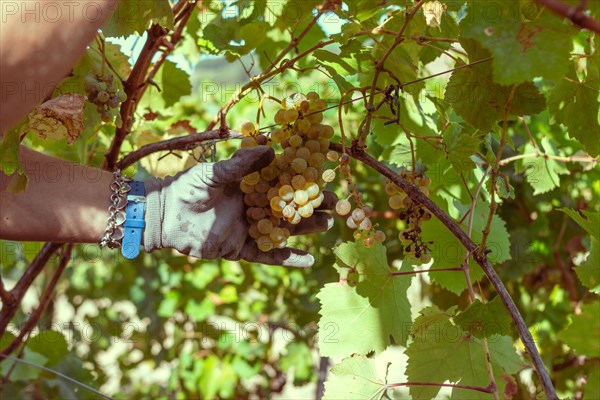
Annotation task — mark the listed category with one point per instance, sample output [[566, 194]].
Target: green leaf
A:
[[448, 252], [522, 49], [502, 351], [298, 356], [543, 174], [441, 351], [21, 371], [460, 144], [200, 311], [583, 334], [9, 152], [50, 344], [354, 378], [175, 83], [483, 320], [254, 33], [574, 103], [363, 317], [135, 16], [589, 271], [591, 390], [479, 100], [362, 10], [339, 64], [590, 221], [18, 183]]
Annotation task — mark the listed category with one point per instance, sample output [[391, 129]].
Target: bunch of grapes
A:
[[291, 187], [359, 219], [102, 92], [412, 214]]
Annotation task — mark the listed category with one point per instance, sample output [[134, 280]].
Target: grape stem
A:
[[416, 195]]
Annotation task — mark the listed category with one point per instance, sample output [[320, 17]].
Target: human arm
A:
[[39, 44], [64, 202], [200, 211]]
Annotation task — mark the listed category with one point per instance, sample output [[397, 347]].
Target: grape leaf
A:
[[442, 352], [135, 16], [298, 356], [543, 174], [574, 103], [591, 390], [363, 317], [175, 83], [254, 33], [9, 151], [479, 100], [583, 334], [50, 344], [354, 378], [589, 271], [58, 118], [460, 144], [21, 371], [523, 49], [448, 252], [483, 320]]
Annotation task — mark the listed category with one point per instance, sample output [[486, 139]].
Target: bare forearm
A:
[[38, 49], [64, 202]]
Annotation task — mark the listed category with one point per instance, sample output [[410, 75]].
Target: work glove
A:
[[201, 212]]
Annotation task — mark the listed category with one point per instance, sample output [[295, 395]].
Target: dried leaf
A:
[[59, 117], [433, 11]]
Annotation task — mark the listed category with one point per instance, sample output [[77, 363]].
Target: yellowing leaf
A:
[[434, 10], [58, 118]]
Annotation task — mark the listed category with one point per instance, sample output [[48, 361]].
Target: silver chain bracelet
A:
[[118, 200]]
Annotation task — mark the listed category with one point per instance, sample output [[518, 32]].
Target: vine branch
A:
[[48, 293], [18, 292], [139, 78], [178, 143]]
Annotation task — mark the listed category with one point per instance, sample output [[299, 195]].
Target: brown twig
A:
[[366, 124], [134, 84], [36, 315], [140, 78], [417, 196], [494, 172], [18, 292], [5, 296], [575, 14], [178, 143], [401, 273]]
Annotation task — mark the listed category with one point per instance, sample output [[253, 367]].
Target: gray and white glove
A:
[[200, 212]]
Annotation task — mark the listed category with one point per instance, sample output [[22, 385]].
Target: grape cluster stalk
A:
[[291, 187]]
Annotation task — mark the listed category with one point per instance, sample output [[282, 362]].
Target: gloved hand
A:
[[200, 212]]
